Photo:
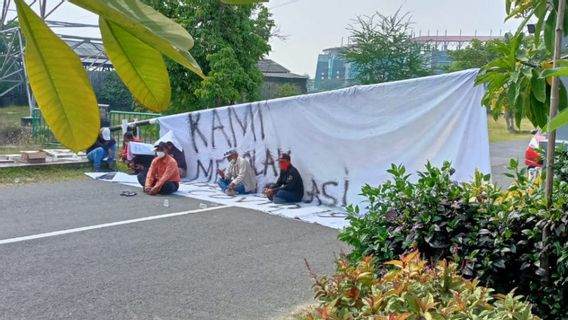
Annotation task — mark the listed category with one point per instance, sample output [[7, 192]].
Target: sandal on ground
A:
[[127, 193]]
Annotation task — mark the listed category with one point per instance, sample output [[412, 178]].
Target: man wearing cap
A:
[[163, 176], [103, 150], [238, 177], [289, 188]]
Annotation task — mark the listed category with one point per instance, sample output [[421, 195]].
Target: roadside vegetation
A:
[[484, 233]]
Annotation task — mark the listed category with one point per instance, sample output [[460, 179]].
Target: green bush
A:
[[411, 290], [493, 235]]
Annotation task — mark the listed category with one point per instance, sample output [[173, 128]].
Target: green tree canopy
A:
[[287, 90], [230, 40], [476, 55], [384, 49]]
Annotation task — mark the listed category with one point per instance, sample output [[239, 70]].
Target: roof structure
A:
[[457, 38], [271, 69]]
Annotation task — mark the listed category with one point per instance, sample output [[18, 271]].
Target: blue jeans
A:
[[97, 155], [283, 196], [224, 185], [168, 187]]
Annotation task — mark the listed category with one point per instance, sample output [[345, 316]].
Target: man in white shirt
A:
[[238, 178]]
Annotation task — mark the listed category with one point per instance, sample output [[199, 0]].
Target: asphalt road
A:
[[501, 154], [226, 263]]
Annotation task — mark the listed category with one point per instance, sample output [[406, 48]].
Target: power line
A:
[[283, 4]]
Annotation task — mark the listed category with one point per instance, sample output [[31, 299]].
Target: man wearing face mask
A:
[[163, 176], [289, 188], [239, 177]]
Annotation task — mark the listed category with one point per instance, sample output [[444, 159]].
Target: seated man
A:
[[103, 150], [289, 188], [179, 156], [163, 176], [238, 177], [126, 140]]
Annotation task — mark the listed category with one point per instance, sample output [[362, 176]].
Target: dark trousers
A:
[[283, 196], [168, 187]]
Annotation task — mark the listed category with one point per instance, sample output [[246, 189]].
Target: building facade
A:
[[276, 76]]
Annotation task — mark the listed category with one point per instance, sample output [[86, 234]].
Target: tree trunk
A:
[[550, 148], [510, 122]]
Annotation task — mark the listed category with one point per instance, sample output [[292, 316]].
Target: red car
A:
[[533, 155]]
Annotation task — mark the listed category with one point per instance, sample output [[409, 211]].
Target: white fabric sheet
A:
[[341, 140]]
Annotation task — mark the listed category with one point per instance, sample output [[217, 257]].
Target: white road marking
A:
[[107, 225]]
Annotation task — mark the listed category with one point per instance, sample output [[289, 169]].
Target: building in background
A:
[[333, 71], [276, 76], [438, 47]]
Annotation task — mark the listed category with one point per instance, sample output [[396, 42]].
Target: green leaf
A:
[[59, 83], [134, 15], [562, 96], [559, 121], [555, 72], [538, 87], [549, 31], [149, 26], [140, 67]]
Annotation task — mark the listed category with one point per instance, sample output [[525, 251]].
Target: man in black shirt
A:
[[103, 150], [179, 156], [289, 188]]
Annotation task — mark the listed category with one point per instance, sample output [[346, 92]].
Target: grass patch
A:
[[10, 116], [498, 130], [26, 175]]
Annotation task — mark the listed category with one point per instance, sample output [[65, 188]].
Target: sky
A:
[[309, 26]]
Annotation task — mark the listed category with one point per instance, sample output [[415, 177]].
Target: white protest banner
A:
[[139, 148], [341, 140]]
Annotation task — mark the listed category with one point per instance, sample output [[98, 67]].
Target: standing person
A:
[[238, 178], [179, 156], [289, 188], [163, 176], [103, 150], [126, 140]]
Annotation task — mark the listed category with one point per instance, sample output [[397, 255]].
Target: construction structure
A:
[[13, 79]]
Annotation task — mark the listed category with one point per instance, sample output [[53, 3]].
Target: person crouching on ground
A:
[[103, 150], [289, 188], [163, 175], [238, 177]]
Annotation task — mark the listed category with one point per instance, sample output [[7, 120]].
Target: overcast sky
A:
[[313, 25]]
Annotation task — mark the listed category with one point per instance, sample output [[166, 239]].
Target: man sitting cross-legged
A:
[[289, 188], [163, 176], [238, 177]]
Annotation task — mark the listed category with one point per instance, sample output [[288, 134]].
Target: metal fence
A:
[[148, 134], [42, 135]]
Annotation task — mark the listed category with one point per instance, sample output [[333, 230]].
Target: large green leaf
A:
[[559, 121], [555, 72], [59, 83], [137, 16], [149, 26], [549, 31], [140, 67]]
